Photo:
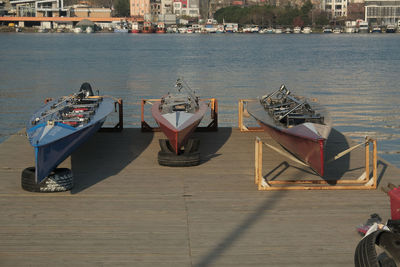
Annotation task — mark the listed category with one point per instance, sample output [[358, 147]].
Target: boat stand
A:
[[364, 182], [243, 112], [211, 127], [119, 126]]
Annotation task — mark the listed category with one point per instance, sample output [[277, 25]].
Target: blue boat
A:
[[62, 125]]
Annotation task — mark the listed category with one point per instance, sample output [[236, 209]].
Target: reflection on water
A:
[[355, 76]]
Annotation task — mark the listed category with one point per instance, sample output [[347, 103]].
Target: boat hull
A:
[[307, 148], [178, 135], [49, 156], [306, 141], [55, 142]]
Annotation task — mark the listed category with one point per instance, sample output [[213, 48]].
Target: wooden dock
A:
[[126, 210]]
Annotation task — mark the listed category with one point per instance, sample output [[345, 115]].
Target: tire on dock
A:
[[187, 157], [366, 255], [60, 180]]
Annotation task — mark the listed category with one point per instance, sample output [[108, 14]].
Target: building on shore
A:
[[188, 8], [140, 8], [382, 12], [89, 12], [38, 8], [335, 8], [55, 8]]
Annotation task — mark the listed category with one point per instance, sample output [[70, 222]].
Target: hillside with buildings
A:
[[262, 12]]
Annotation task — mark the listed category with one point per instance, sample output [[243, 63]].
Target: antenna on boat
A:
[[180, 83]]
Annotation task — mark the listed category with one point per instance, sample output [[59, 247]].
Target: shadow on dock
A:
[[105, 155], [335, 170], [211, 142], [241, 229], [348, 166]]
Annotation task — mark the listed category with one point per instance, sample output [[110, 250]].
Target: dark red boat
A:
[[147, 27], [298, 124], [178, 115]]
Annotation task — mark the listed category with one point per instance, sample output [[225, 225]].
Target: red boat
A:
[[298, 124], [160, 27], [136, 27], [147, 27], [178, 115]]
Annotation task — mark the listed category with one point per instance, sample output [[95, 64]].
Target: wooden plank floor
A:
[[126, 210]]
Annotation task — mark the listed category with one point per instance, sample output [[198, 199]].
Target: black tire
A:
[[390, 242], [173, 160], [365, 255], [191, 146], [165, 146], [60, 180]]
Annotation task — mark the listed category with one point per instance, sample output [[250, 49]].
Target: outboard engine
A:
[[86, 88]]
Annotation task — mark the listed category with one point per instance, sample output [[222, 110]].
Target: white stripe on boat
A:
[[177, 118]]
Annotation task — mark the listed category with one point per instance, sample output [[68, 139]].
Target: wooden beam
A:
[[362, 183], [241, 109]]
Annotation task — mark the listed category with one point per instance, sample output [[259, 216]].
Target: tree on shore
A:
[[121, 8], [267, 15]]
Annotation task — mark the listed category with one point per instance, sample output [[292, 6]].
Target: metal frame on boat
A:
[[119, 126]]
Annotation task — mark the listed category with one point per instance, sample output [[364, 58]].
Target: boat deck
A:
[[126, 210]]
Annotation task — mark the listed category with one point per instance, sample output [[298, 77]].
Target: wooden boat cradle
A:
[[364, 182], [242, 104]]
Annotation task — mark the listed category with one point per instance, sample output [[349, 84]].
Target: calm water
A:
[[356, 76]]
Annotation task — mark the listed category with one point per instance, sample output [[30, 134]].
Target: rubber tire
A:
[[165, 146], [60, 180], [191, 146], [365, 254], [173, 160], [390, 242]]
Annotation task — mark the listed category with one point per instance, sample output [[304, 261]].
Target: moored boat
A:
[[160, 27], [307, 30], [390, 28], [337, 30], [178, 115], [327, 29], [60, 126], [363, 27], [77, 30], [136, 27], [376, 29], [298, 124], [147, 27], [296, 30]]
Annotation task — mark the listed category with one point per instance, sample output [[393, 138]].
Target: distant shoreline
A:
[[8, 29]]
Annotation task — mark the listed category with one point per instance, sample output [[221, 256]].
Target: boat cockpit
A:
[[288, 110]]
